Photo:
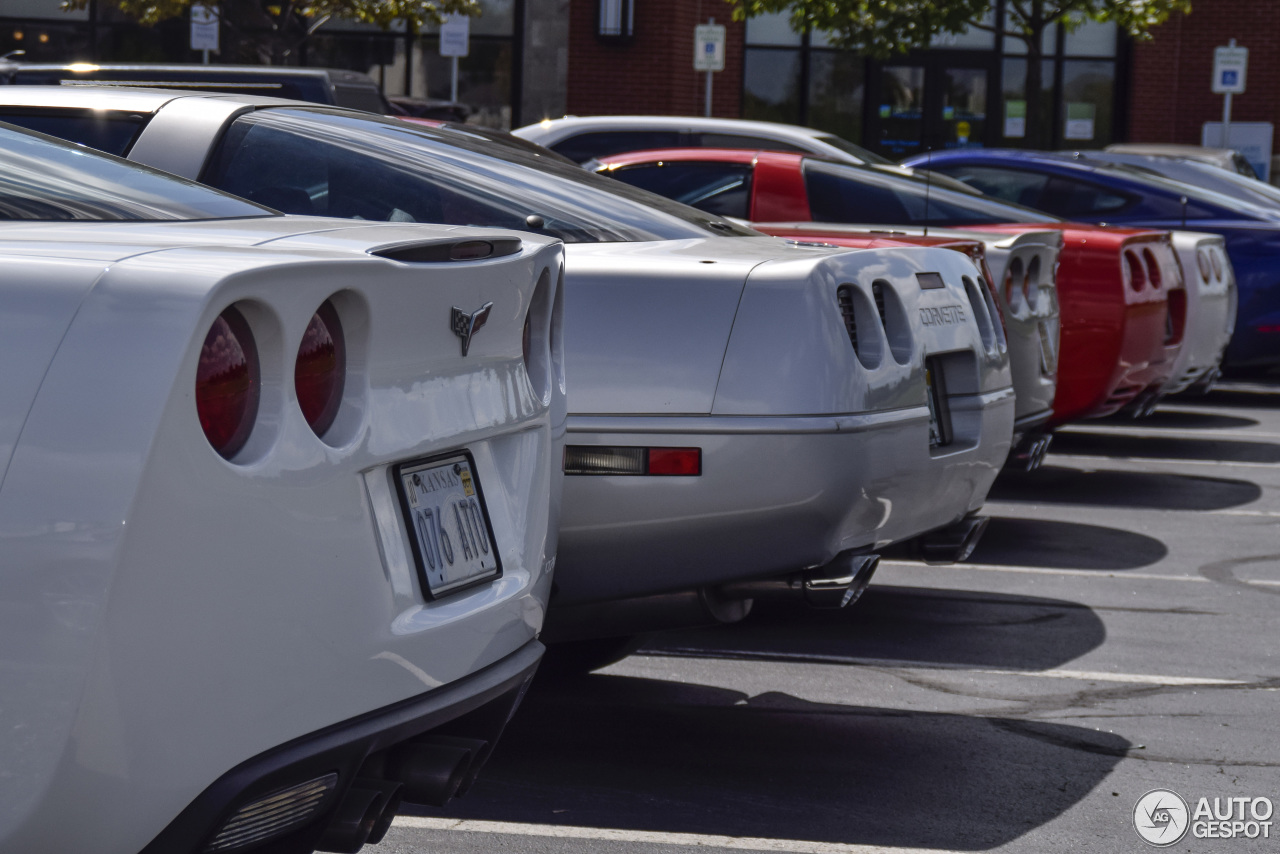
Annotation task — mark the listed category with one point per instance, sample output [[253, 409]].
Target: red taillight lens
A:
[[675, 461], [1137, 275], [321, 370], [228, 383], [1153, 268]]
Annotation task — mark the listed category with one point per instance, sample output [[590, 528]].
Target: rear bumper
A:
[[477, 706], [777, 494]]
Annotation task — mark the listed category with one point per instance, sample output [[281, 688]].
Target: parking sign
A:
[[708, 51], [1229, 66]]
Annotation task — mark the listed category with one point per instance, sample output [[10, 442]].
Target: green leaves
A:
[[283, 13], [880, 28]]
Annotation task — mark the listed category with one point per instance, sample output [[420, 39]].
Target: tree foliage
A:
[[880, 28], [274, 29]]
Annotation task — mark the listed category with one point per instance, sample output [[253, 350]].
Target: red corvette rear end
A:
[[1123, 316]]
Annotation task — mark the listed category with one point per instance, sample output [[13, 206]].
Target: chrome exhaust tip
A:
[[840, 583], [836, 584], [953, 543]]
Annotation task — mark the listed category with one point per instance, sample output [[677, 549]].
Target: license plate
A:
[[448, 524], [939, 412]]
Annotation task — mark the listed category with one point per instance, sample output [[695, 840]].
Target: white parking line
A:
[[1081, 573], [1266, 513], [906, 664], [1156, 432], [689, 840], [1103, 459]]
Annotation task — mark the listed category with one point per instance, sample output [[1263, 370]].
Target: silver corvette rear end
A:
[[863, 398]]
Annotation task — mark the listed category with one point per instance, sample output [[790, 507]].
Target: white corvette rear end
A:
[[207, 647], [1210, 310]]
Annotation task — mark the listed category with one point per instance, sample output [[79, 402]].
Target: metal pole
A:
[[453, 85], [707, 109], [206, 56], [1226, 110]]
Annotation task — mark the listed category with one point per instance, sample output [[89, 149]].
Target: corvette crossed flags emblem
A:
[[465, 325]]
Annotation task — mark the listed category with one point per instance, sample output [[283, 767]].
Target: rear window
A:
[[856, 194], [585, 146], [718, 188], [112, 132], [356, 166], [46, 179]]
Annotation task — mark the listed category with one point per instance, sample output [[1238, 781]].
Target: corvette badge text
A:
[[943, 315], [1163, 818]]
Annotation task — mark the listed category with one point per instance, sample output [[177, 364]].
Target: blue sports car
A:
[[1090, 191]]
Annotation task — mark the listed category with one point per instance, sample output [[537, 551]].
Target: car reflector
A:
[[601, 460], [675, 461]]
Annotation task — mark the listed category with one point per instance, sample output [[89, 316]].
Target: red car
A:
[[1123, 307]]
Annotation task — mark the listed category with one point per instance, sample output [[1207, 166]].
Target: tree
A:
[[271, 31], [880, 28]]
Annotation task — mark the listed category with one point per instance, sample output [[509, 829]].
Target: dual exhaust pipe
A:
[[429, 771], [838, 584], [953, 543]]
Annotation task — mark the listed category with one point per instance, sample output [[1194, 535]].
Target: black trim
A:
[[343, 748]]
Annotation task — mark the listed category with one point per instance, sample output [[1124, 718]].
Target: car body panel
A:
[[170, 613], [1251, 232]]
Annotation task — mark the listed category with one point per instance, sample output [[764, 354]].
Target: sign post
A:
[[708, 53], [455, 39], [204, 29], [1229, 66]]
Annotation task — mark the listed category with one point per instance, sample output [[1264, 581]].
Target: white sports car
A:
[[748, 416], [278, 515]]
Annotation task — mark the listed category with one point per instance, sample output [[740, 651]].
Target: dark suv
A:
[[318, 85]]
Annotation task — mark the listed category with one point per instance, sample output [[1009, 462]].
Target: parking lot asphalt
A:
[[1116, 631]]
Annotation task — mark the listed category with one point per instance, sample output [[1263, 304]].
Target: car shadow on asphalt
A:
[[1065, 545], [1101, 444], [1060, 484], [916, 625], [674, 757], [1251, 396], [1182, 419]]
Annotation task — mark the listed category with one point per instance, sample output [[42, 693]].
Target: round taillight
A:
[[320, 373], [1202, 261], [1013, 284], [1137, 275], [228, 383], [1153, 268]]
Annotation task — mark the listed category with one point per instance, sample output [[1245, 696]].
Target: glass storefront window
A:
[[771, 85], [1048, 44], [774, 29], [971, 39], [497, 18], [484, 78], [1014, 131], [1088, 87], [901, 109], [1091, 39], [837, 91]]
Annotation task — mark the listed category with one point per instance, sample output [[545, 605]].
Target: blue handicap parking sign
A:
[[1230, 77]]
